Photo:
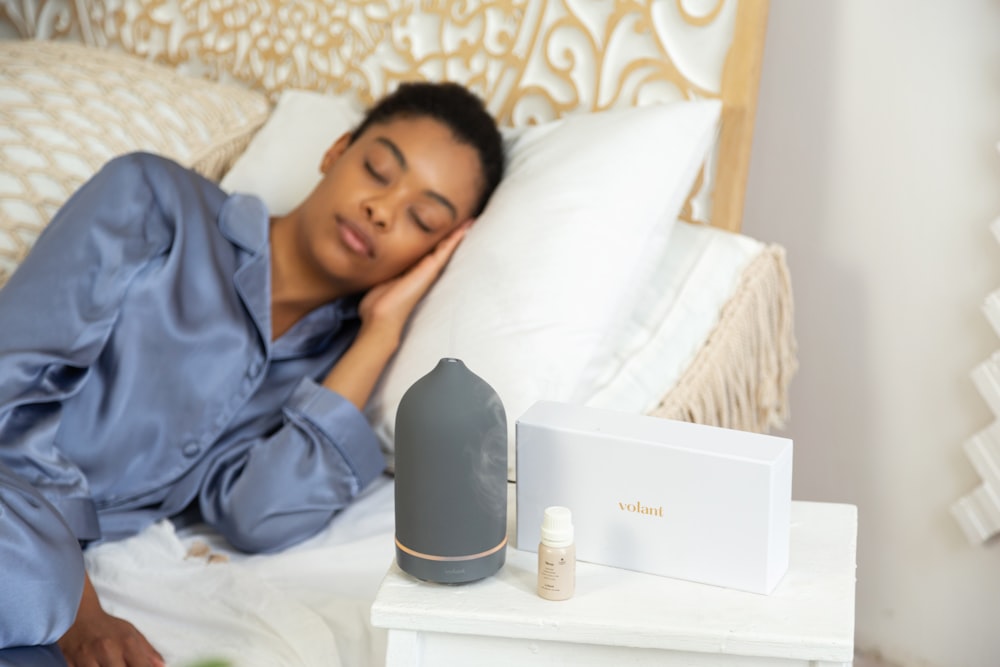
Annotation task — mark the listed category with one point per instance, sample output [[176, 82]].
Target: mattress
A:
[[195, 598]]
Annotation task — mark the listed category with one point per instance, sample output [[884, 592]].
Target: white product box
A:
[[666, 497]]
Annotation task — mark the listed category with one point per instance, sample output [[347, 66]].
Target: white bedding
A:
[[305, 607], [309, 606], [684, 297]]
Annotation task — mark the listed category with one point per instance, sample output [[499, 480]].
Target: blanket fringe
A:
[[740, 378]]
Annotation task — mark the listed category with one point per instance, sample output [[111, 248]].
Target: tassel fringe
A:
[[740, 378]]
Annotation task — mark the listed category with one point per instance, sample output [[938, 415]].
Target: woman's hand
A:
[[389, 304], [384, 311], [97, 639]]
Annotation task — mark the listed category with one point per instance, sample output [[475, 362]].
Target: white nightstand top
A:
[[810, 616]]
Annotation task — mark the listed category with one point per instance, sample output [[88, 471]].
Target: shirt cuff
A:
[[81, 517], [343, 425]]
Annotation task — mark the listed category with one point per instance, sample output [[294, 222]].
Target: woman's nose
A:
[[379, 212]]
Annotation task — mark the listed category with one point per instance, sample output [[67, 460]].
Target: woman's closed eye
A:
[[420, 223], [375, 173]]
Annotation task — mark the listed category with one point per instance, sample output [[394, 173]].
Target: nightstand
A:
[[620, 617]]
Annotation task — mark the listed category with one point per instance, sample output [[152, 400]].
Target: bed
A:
[[668, 311]]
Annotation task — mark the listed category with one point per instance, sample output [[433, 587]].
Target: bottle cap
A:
[[557, 526]]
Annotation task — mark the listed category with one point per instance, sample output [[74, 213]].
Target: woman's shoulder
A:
[[166, 179], [144, 163]]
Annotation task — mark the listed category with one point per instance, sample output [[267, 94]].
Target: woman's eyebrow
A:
[[401, 159], [391, 145]]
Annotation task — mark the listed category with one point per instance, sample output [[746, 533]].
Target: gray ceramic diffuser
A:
[[451, 477]]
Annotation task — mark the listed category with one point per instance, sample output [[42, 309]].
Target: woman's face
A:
[[387, 199]]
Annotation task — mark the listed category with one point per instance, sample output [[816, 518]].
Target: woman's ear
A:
[[334, 152]]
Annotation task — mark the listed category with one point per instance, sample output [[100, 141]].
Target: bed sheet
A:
[[196, 598], [305, 607]]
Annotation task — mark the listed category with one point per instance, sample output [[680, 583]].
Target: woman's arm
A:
[[269, 493], [42, 567], [58, 311], [97, 638], [43, 572]]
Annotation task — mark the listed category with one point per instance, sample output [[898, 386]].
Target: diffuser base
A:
[[451, 572]]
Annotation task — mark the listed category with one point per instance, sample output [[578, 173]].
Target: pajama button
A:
[[254, 369], [191, 449]]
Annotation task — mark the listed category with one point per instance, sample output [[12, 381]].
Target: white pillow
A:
[[678, 309], [537, 297], [281, 164]]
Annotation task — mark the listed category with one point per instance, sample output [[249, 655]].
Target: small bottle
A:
[[557, 555]]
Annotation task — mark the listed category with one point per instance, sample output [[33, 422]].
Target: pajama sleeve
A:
[[41, 579], [267, 494], [57, 312]]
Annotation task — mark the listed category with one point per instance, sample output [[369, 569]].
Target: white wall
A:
[[875, 164]]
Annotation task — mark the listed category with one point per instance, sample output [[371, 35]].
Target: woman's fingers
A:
[[108, 641], [433, 263], [393, 300], [422, 275]]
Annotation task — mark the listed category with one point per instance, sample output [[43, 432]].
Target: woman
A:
[[169, 348]]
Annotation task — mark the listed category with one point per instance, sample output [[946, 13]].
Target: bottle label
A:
[[556, 572]]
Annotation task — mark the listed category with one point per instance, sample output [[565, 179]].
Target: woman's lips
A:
[[356, 240]]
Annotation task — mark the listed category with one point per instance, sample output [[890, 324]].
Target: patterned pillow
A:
[[66, 109]]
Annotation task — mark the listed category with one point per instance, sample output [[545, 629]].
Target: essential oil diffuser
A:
[[451, 477]]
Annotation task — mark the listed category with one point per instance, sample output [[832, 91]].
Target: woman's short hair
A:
[[458, 108]]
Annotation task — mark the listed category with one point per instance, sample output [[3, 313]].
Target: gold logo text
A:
[[639, 508]]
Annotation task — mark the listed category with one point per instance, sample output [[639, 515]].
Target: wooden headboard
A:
[[532, 60]]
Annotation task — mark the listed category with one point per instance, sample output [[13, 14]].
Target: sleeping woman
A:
[[166, 347]]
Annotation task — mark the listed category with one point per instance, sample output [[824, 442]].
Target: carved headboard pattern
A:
[[531, 60]]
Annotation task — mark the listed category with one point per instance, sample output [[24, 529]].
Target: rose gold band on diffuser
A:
[[481, 554]]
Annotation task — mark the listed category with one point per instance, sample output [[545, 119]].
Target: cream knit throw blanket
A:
[[740, 377]]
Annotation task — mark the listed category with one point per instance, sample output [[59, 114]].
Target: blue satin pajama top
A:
[[138, 375]]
